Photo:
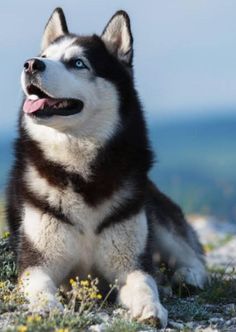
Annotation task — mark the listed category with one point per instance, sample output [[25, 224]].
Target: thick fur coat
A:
[[79, 198]]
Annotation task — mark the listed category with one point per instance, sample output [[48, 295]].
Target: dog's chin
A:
[[61, 124]]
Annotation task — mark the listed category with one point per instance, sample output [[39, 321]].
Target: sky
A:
[[185, 51]]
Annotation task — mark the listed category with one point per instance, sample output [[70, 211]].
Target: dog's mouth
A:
[[40, 104]]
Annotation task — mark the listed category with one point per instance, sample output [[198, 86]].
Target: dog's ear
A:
[[118, 38], [55, 27]]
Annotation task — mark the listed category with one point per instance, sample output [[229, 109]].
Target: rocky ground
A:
[[219, 240], [213, 309]]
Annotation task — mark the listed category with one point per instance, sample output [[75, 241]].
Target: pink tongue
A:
[[31, 106]]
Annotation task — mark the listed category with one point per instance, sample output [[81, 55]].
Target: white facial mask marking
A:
[[99, 117]]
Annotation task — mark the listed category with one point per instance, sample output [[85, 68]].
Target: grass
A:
[[2, 217], [222, 289], [8, 271], [68, 323], [54, 322]]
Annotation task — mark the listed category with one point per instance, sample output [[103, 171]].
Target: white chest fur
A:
[[61, 242], [84, 217]]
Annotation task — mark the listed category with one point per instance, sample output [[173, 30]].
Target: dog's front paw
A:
[[150, 312], [140, 296]]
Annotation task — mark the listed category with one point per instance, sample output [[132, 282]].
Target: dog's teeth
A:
[[62, 104], [33, 97]]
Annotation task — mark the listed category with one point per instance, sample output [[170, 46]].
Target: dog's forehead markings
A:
[[73, 51], [57, 50]]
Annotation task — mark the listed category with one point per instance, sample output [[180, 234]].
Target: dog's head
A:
[[77, 83]]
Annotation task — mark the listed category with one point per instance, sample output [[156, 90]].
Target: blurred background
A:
[[185, 72]]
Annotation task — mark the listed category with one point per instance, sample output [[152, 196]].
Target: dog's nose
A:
[[33, 65]]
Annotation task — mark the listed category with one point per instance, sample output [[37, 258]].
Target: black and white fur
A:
[[79, 198]]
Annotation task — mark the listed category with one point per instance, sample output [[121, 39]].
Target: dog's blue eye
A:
[[79, 64]]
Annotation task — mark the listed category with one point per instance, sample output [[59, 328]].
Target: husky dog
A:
[[79, 198]]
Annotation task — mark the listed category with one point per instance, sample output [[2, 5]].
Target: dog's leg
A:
[[139, 294], [39, 289], [118, 257], [174, 240], [36, 278], [180, 257], [45, 257]]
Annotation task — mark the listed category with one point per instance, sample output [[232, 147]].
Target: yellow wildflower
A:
[[72, 282], [22, 328], [33, 319], [2, 284], [6, 235], [93, 295], [84, 283]]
